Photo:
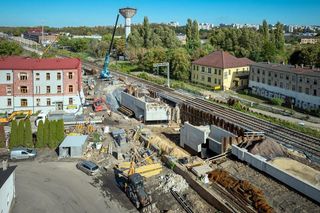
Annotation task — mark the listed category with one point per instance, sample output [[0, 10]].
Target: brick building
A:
[[298, 85], [221, 69], [40, 84]]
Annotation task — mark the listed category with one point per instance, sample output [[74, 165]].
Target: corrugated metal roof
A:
[[24, 63], [77, 140]]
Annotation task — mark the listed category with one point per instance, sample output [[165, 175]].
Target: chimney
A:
[[4, 165]]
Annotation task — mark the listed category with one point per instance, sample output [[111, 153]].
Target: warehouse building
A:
[[297, 85], [40, 84], [221, 70]]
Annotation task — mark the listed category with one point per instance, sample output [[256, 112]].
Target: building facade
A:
[[295, 84], [221, 70], [40, 84], [312, 40], [7, 188]]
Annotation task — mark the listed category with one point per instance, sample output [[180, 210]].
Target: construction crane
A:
[[105, 73], [50, 45]]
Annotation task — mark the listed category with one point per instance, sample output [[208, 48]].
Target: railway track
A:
[[285, 136]]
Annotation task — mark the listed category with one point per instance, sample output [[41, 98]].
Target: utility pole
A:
[[164, 64]]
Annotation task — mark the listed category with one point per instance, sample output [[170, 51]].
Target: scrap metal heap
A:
[[242, 189]]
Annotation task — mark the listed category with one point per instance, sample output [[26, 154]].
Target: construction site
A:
[[178, 152]]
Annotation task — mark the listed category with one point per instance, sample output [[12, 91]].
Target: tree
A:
[[265, 31], [46, 130], [13, 134], [20, 140], [40, 142], [146, 32], [279, 37], [195, 33], [189, 31], [180, 64], [28, 142], [2, 137], [269, 51], [52, 134], [8, 48], [120, 46], [60, 131]]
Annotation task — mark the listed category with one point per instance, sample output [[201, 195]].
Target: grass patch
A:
[[126, 67]]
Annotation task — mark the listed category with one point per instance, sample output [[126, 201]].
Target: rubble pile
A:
[[174, 181]]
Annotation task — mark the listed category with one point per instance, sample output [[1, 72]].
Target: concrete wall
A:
[[261, 164], [150, 111], [193, 136], [7, 194], [76, 151], [216, 138]]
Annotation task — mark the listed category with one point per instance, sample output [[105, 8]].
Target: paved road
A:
[[59, 187]]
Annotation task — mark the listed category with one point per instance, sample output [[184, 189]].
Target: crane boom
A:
[[105, 73]]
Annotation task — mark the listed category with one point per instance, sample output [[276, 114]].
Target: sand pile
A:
[[298, 169], [268, 149], [168, 147], [174, 181]]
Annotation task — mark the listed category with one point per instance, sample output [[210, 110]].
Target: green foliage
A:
[[20, 140], [60, 131], [2, 137], [52, 134], [46, 130], [307, 55], [13, 134], [180, 64], [40, 142], [154, 55], [277, 101], [28, 142], [192, 34], [8, 48]]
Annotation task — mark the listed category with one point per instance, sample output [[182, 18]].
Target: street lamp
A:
[[164, 64]]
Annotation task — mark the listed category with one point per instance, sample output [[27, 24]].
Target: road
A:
[[59, 187]]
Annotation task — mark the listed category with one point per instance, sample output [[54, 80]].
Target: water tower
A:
[[127, 13]]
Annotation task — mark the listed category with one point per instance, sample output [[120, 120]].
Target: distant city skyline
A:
[[103, 12]]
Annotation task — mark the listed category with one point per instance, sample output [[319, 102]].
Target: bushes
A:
[[50, 134], [21, 134], [277, 101], [2, 137]]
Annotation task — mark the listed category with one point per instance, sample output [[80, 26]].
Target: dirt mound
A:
[[268, 149]]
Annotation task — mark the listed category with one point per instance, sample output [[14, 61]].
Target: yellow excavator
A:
[[24, 113]]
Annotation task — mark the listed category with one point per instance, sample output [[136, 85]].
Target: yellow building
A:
[[221, 70]]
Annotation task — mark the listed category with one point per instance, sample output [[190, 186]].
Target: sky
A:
[[59, 13]]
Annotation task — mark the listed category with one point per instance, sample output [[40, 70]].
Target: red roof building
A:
[[221, 70], [40, 84]]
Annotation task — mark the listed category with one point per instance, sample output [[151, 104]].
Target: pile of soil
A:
[[268, 149]]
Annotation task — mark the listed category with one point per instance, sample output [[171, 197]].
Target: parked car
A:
[[22, 153], [88, 167]]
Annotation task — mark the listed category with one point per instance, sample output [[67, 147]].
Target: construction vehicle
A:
[[133, 186], [99, 105], [105, 73], [24, 113]]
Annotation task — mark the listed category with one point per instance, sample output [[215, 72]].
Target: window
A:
[[293, 87], [252, 69], [38, 101], [300, 89], [281, 76], [197, 68], [37, 76], [315, 82], [237, 71], [71, 88], [24, 102], [258, 79], [229, 72], [215, 71], [209, 70], [23, 76], [300, 79], [209, 79], [48, 89], [219, 81], [269, 74], [263, 80], [307, 91], [202, 69], [258, 71], [269, 82], [23, 89], [202, 78], [58, 89], [275, 75], [194, 67], [219, 72], [281, 85], [215, 80], [70, 75], [59, 76], [9, 91], [315, 92], [70, 101], [276, 83], [307, 80], [48, 101], [9, 102], [8, 77], [263, 72], [47, 76], [287, 77]]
